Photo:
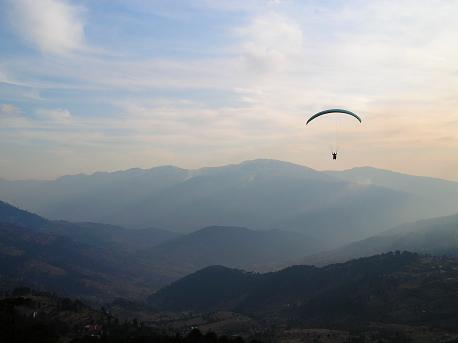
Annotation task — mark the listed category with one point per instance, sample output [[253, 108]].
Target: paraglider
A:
[[334, 110]]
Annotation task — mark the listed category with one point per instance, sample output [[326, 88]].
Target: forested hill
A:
[[393, 287]]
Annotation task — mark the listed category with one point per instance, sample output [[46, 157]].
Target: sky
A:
[[105, 85]]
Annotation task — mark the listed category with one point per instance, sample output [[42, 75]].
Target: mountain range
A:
[[297, 216], [258, 194]]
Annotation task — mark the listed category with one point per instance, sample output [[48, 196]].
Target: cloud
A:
[[271, 43], [54, 26], [55, 115]]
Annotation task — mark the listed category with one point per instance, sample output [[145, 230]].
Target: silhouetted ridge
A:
[[390, 287]]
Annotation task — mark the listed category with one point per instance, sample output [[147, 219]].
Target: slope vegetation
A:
[[401, 288]]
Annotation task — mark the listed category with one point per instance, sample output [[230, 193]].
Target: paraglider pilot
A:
[[333, 110]]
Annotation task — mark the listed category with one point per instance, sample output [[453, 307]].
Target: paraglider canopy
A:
[[333, 110]]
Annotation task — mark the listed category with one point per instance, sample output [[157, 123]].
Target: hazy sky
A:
[[114, 84]]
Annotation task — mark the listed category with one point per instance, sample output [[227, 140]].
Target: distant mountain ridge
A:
[[258, 194], [437, 236], [434, 197]]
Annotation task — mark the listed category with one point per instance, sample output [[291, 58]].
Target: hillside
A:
[[258, 194], [59, 264], [400, 288], [437, 236], [229, 246], [86, 260], [88, 233]]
